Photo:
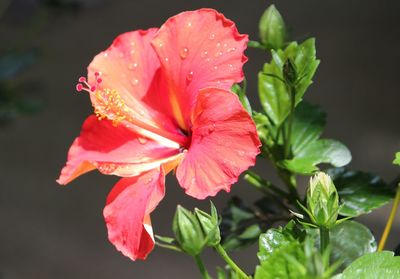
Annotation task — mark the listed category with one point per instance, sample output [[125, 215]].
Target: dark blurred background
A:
[[49, 231]]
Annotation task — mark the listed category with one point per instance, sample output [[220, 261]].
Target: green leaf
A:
[[349, 241], [397, 159], [239, 226], [165, 239], [271, 241], [360, 192], [241, 93], [373, 266], [308, 124], [329, 151], [263, 126], [273, 92], [272, 29]]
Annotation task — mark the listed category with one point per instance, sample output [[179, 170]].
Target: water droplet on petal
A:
[[212, 36], [133, 51], [241, 153], [231, 49], [135, 81], [142, 140], [189, 24], [218, 54], [215, 67], [132, 44], [105, 54], [149, 180], [132, 66], [160, 44], [225, 45], [204, 53], [218, 44], [189, 76], [166, 59], [141, 112], [184, 52]]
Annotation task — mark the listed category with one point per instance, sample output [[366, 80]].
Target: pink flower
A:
[[162, 102]]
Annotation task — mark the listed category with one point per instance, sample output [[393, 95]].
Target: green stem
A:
[[324, 238], [168, 246], [202, 268], [290, 123], [221, 251], [262, 184], [389, 222]]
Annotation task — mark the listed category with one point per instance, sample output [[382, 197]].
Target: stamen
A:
[[83, 84], [109, 104]]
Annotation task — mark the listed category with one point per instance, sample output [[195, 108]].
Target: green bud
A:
[[322, 200], [209, 225], [272, 29], [289, 72], [188, 231]]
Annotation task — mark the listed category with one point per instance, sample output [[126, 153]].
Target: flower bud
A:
[[188, 231], [272, 29], [322, 200], [209, 225]]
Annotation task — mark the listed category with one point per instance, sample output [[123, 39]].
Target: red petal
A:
[[198, 49], [113, 150], [127, 213], [224, 144], [130, 67]]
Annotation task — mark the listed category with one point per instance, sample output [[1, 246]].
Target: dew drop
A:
[[166, 59], [215, 67], [141, 112], [105, 54], [208, 59], [189, 76], [135, 81], [212, 36], [231, 49], [142, 140], [225, 45], [184, 52], [241, 153], [204, 53], [132, 44], [149, 180], [218, 54], [218, 44], [132, 66], [133, 51], [160, 44], [189, 24]]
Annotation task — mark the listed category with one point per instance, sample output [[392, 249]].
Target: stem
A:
[[168, 246], [389, 222], [202, 268], [262, 184], [324, 238], [290, 123], [230, 262]]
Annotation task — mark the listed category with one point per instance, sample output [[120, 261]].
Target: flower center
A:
[[108, 104]]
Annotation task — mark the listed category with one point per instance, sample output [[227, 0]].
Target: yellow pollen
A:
[[110, 105]]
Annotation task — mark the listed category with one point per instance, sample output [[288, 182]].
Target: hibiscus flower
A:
[[162, 102]]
